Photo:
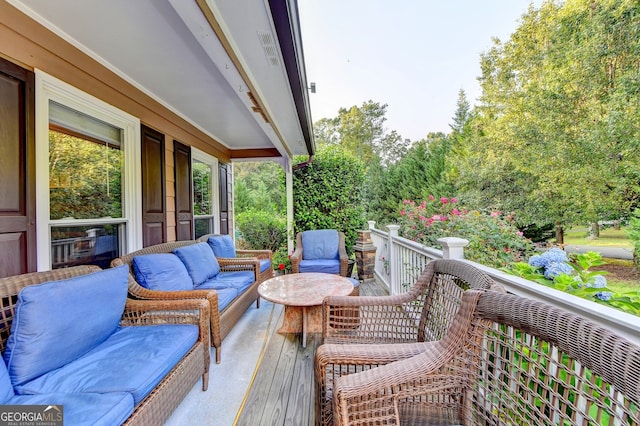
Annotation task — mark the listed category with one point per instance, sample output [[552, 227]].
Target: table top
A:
[[306, 289]]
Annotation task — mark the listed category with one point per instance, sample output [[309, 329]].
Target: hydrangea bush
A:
[[494, 239], [572, 274]]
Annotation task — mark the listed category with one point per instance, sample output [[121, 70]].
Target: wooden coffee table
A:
[[302, 296]]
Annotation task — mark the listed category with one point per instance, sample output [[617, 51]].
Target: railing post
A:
[[372, 224], [393, 274], [453, 247]]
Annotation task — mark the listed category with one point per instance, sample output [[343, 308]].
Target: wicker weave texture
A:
[[161, 402], [297, 254], [423, 313], [505, 360]]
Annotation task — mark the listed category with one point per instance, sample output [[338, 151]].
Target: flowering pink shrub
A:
[[494, 239]]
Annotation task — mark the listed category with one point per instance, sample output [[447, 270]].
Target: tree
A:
[[361, 131], [557, 131]]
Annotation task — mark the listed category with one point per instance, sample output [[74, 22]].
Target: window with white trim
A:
[[205, 183], [87, 179]]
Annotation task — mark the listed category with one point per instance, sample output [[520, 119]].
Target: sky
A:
[[413, 55]]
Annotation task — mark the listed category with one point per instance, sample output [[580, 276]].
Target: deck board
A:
[[283, 391]]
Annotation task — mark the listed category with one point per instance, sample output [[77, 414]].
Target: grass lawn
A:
[[608, 237]]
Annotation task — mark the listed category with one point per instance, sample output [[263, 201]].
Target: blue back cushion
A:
[[200, 262], [222, 246], [59, 321], [161, 271], [320, 244]]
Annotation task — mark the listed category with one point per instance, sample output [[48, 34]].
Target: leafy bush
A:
[[494, 239], [261, 230], [572, 274], [634, 235], [327, 194]]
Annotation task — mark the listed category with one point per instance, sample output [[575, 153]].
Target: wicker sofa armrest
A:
[[228, 264], [259, 254]]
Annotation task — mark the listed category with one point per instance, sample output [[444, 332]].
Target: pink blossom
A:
[[422, 218], [455, 212], [454, 200], [422, 205], [431, 197], [444, 200], [494, 214], [443, 218], [520, 234], [402, 212]]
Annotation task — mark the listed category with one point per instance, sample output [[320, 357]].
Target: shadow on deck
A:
[[264, 379]]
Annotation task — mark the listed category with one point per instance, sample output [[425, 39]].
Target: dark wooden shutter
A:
[[184, 191], [224, 198], [154, 223], [17, 170]]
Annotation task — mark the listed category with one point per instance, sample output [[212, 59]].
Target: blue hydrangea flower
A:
[[599, 281], [554, 255], [578, 281], [537, 260], [554, 269], [604, 295]]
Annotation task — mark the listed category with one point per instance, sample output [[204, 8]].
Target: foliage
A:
[[634, 235], [84, 178], [360, 131], [572, 274], [262, 230], [556, 135], [493, 238], [327, 194], [420, 172], [202, 199], [259, 186], [282, 260]]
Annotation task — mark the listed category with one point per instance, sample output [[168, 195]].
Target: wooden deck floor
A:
[[282, 391]]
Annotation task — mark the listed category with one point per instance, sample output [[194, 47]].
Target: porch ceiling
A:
[[201, 58]]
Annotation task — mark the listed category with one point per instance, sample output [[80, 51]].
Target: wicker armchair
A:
[[264, 256], [298, 254], [169, 393], [505, 360], [421, 314], [221, 322]]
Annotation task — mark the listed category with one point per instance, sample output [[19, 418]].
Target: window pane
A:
[[85, 245], [203, 226], [202, 204], [85, 176]]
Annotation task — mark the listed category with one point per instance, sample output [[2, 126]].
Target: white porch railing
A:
[[399, 262]]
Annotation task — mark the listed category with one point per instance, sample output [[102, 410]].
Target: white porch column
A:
[[288, 174], [453, 247]]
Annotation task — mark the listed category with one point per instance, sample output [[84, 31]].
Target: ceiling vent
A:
[[269, 47]]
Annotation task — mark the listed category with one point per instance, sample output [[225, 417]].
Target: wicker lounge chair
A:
[[341, 267], [505, 360], [421, 314]]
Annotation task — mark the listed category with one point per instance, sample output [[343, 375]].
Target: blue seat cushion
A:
[[133, 359], [265, 265], [355, 282], [84, 409], [226, 295], [161, 271], [6, 387], [200, 262], [320, 244], [222, 246], [59, 321], [328, 266], [240, 280]]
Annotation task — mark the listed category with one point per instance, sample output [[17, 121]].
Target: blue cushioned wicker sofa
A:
[[190, 270], [71, 337]]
